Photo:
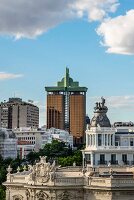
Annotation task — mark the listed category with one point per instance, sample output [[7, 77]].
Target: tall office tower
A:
[[16, 113], [66, 107]]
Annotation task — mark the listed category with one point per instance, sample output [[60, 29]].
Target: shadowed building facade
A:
[[66, 107]]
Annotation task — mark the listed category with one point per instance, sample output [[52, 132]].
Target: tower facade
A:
[[66, 107]]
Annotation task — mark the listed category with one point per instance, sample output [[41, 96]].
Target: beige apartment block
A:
[[16, 113]]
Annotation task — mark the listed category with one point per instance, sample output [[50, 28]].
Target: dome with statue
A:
[[100, 118]]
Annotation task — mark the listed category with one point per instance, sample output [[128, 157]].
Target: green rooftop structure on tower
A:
[[66, 107], [66, 84]]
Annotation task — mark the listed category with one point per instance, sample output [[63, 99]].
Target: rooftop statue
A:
[[100, 106]]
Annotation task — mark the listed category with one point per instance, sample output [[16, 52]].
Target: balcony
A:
[[126, 162], [113, 162], [102, 162], [107, 148], [132, 162]]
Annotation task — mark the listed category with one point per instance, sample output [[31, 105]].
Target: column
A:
[[91, 159], [104, 139], [90, 139], [95, 139], [83, 163], [87, 141]]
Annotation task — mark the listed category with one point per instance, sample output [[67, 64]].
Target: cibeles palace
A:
[[106, 174]]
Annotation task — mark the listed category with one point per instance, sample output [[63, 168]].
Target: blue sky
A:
[[34, 53]]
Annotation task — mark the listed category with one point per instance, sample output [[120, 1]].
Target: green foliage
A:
[[2, 193], [53, 151], [69, 160]]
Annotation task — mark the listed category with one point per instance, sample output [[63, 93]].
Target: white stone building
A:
[[60, 135], [32, 136], [8, 144], [35, 139], [107, 145]]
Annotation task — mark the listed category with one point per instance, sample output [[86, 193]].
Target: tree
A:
[[2, 193]]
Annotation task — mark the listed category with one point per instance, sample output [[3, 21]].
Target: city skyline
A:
[[34, 54]]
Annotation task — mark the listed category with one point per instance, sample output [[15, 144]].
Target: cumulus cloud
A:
[[32, 18], [4, 75], [126, 102], [118, 34], [95, 9]]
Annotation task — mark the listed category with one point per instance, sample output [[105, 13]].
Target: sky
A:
[[94, 38]]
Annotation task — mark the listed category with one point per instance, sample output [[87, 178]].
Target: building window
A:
[[124, 159], [131, 142], [88, 158], [111, 140], [99, 139], [102, 159], [113, 159]]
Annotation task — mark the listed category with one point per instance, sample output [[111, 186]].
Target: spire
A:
[[66, 79]]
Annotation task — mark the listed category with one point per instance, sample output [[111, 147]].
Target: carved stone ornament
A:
[[42, 195], [27, 194], [43, 172], [65, 196]]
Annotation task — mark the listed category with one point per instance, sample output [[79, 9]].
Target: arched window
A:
[[18, 197]]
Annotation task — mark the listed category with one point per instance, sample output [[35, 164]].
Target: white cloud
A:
[[95, 9], [120, 108], [118, 34], [33, 17], [117, 102], [4, 75], [123, 102]]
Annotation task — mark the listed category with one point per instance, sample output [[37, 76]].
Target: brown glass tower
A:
[[66, 107]]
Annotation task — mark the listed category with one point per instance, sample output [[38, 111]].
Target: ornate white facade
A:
[[106, 145]]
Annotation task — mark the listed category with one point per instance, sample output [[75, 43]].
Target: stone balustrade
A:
[[110, 182], [69, 181]]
